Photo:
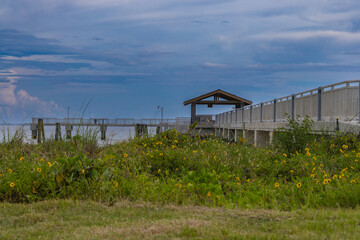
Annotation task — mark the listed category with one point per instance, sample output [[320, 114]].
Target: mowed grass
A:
[[68, 219]]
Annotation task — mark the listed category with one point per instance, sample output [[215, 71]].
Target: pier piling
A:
[[40, 130], [68, 129], [58, 132]]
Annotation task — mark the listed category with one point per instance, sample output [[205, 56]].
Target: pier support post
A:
[[33, 128], [40, 130], [141, 130], [103, 129], [58, 132], [68, 129], [158, 130]]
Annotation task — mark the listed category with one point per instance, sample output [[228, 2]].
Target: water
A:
[[113, 134]]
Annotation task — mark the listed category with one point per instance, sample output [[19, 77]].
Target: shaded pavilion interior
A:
[[217, 97]]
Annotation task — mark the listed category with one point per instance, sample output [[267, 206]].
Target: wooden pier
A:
[[141, 126]]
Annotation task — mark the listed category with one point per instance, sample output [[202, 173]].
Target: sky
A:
[[124, 58]]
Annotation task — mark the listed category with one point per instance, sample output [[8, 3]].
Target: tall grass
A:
[[184, 169]]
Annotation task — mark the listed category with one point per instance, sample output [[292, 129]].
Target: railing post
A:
[[231, 115], [236, 115], [261, 112], [275, 110], [250, 113], [319, 104], [242, 114], [293, 107]]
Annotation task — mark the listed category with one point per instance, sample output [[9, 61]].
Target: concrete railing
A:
[[340, 100]]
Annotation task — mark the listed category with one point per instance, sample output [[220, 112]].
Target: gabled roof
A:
[[221, 94]]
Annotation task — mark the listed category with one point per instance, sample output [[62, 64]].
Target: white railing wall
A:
[[340, 100]]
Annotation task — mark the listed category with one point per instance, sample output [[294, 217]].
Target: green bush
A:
[[294, 137]]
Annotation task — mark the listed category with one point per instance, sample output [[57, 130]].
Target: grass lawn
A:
[[69, 219]]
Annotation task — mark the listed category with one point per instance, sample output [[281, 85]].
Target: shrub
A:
[[294, 137]]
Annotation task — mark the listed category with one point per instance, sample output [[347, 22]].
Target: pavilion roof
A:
[[231, 98]]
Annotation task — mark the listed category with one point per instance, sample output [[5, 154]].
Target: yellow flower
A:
[[208, 194], [214, 157], [314, 158], [238, 179], [22, 158], [175, 141], [161, 154], [312, 175], [307, 149], [49, 164], [194, 152], [82, 170], [284, 154], [334, 177], [159, 170], [116, 184], [345, 146], [33, 190], [173, 146], [326, 181], [38, 169], [12, 184], [358, 155], [41, 159], [308, 154], [125, 155], [10, 170], [332, 146], [276, 185], [291, 171], [298, 185]]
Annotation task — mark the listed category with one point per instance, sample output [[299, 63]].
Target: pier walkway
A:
[[181, 124], [333, 107]]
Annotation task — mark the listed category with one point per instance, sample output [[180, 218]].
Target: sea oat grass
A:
[[184, 170]]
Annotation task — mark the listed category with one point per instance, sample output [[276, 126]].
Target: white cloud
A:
[[19, 104], [303, 35], [215, 65]]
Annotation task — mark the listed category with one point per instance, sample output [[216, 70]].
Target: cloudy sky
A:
[[123, 58]]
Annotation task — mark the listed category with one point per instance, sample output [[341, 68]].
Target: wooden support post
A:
[[193, 112], [58, 132], [34, 130], [41, 131], [157, 130], [103, 129], [68, 129], [141, 130]]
